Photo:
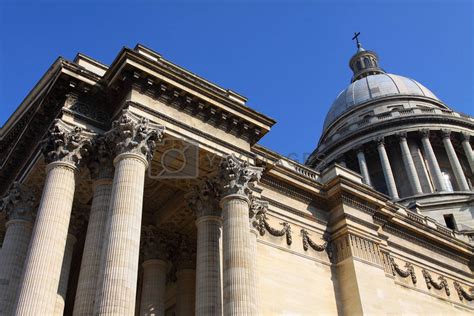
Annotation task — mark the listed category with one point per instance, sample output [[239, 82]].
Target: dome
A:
[[373, 87]]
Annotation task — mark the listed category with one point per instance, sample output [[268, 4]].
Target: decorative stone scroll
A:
[[443, 283], [237, 176], [133, 134], [258, 210], [66, 144], [18, 203], [462, 293], [204, 199], [307, 242], [410, 270]]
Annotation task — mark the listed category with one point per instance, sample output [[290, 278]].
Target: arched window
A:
[[359, 65], [367, 62]]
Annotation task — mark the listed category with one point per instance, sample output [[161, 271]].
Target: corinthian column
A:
[[468, 150], [135, 140], [77, 223], [236, 178], [204, 201], [409, 164], [18, 206], [155, 267], [387, 169], [454, 161], [186, 278], [432, 161], [101, 170], [64, 150]]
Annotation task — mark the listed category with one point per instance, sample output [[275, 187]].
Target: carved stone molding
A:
[[356, 246], [19, 203], [133, 134], [307, 242], [100, 162], [258, 217], [154, 244], [431, 283], [66, 144], [462, 293], [204, 198], [410, 270], [237, 176]]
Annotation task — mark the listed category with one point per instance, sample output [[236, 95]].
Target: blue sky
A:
[[290, 58]]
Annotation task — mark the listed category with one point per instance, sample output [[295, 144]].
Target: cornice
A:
[[185, 78]]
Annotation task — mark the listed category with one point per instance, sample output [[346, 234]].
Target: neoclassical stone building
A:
[[140, 188]]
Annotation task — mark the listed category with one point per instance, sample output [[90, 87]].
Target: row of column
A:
[[409, 164], [107, 282]]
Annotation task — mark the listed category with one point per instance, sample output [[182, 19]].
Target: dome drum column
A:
[[468, 150], [454, 161], [387, 169], [433, 164], [409, 164], [363, 166]]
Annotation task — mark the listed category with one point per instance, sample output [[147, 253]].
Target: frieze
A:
[[409, 272], [443, 284], [462, 293], [285, 189]]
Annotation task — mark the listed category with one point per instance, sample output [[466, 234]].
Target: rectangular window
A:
[[449, 220]]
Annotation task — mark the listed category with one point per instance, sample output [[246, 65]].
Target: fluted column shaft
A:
[[387, 171], [363, 167], [466, 145], [455, 164], [93, 246], [410, 166], [433, 162], [186, 291], [208, 280], [116, 292], [153, 287], [253, 271], [64, 279], [238, 284], [14, 251], [42, 270]]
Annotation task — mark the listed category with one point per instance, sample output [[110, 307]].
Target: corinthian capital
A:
[[237, 176], [66, 143], [203, 199], [18, 204], [133, 134], [101, 160], [153, 244]]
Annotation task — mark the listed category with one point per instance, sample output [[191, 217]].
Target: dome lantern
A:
[[364, 63]]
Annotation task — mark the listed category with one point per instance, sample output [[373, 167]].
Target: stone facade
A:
[[139, 188]]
